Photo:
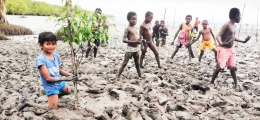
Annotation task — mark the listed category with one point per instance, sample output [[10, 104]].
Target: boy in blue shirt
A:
[[48, 64]]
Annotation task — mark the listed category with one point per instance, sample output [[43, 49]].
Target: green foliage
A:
[[192, 35], [83, 26], [30, 7]]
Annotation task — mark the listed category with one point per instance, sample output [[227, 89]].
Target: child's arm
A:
[[64, 73], [213, 36], [176, 34], [50, 79], [247, 38], [197, 38]]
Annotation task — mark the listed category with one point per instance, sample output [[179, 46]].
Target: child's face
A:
[[162, 23], [149, 18], [48, 46], [238, 18], [204, 24], [132, 20], [157, 23], [188, 19]]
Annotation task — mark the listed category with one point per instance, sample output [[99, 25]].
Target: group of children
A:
[[48, 63]]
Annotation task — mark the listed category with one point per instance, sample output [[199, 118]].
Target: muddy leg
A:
[[234, 76], [191, 52], [137, 65], [157, 43], [215, 52], [175, 51], [88, 49], [215, 74], [152, 47], [97, 43], [201, 54], [143, 55], [123, 66]]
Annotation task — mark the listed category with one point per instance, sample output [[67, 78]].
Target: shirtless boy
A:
[[146, 33], [206, 40], [226, 54], [131, 38]]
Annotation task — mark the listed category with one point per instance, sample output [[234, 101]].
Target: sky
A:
[[215, 11]]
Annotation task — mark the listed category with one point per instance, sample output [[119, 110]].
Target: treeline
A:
[[31, 7]]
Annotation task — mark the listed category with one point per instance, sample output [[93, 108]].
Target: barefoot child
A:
[[48, 64], [146, 33], [226, 54], [163, 33], [206, 40], [132, 49], [184, 30]]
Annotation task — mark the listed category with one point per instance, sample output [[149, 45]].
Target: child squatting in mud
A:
[[48, 64], [132, 49]]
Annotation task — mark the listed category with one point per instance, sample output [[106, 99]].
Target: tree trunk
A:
[[73, 56], [3, 11]]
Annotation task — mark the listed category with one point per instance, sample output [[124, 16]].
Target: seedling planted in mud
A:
[[78, 26]]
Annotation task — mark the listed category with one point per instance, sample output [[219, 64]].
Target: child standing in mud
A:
[[206, 40], [146, 34], [226, 54], [132, 49], [48, 64], [184, 30], [155, 30], [97, 41], [163, 33]]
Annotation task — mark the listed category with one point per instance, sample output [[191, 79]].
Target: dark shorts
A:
[[96, 42], [131, 54]]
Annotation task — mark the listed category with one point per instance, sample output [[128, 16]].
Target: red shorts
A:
[[226, 57]]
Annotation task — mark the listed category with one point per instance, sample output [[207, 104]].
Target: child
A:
[[155, 30], [146, 33], [97, 41], [163, 32], [131, 38], [48, 64], [196, 25], [226, 54], [206, 40], [184, 28]]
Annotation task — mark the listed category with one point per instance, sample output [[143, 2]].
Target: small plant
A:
[[79, 26]]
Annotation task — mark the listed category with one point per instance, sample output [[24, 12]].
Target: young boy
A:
[[146, 33], [131, 38], [97, 41], [206, 40], [226, 54], [155, 30], [196, 25], [48, 64], [184, 28], [162, 32]]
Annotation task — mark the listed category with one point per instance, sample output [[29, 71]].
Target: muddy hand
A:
[[247, 39]]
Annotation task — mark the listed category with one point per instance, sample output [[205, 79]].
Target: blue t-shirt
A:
[[54, 71]]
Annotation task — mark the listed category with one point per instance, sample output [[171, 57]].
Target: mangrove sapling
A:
[[78, 26]]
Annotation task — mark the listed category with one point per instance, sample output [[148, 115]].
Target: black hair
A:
[[130, 14], [156, 21], [162, 20], [233, 13], [46, 36], [148, 13], [188, 16], [98, 9]]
